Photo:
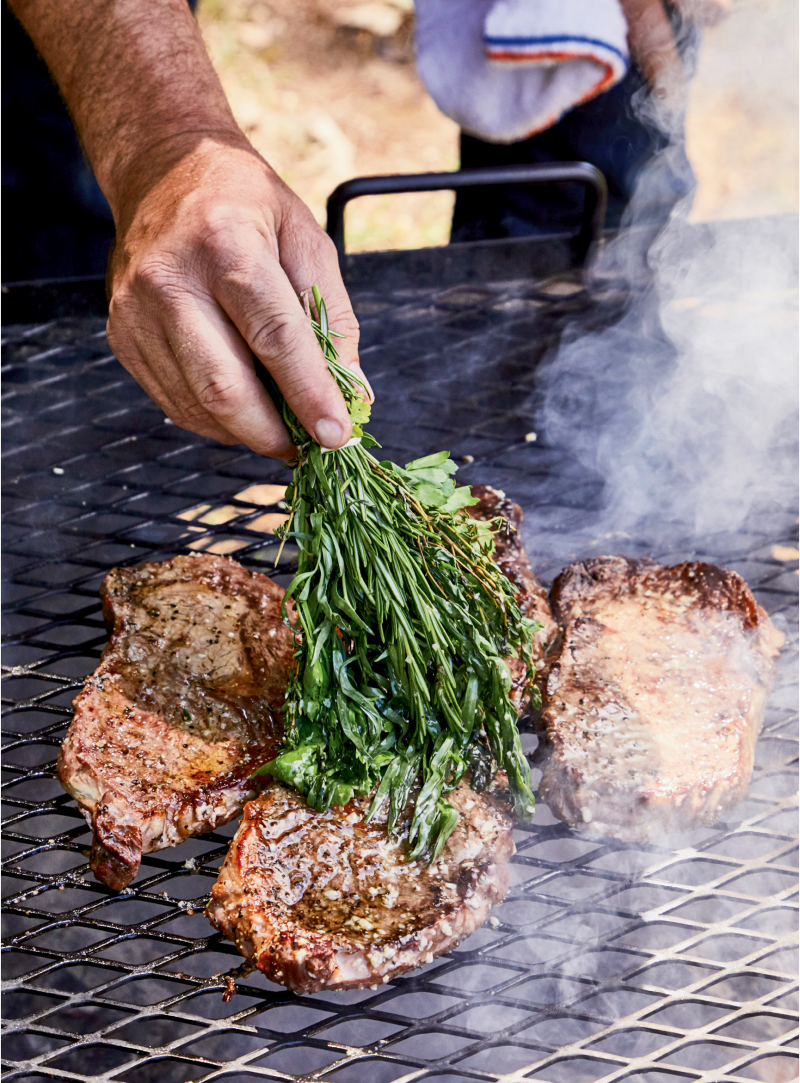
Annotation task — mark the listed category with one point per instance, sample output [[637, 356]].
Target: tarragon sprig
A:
[[403, 619]]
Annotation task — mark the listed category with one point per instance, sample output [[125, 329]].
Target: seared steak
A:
[[325, 900], [186, 701], [654, 696], [183, 707]]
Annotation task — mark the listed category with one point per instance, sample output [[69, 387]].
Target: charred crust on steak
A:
[[116, 846], [511, 558], [325, 900], [654, 695], [182, 708], [583, 586]]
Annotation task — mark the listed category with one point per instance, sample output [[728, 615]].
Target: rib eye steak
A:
[[183, 707], [185, 703], [325, 900], [654, 696]]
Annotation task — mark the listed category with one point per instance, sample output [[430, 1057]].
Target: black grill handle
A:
[[583, 173]]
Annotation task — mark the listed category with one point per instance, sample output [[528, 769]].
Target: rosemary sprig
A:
[[404, 620]]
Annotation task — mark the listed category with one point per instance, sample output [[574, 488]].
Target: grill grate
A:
[[660, 962]]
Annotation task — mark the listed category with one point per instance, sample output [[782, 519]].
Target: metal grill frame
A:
[[597, 942]]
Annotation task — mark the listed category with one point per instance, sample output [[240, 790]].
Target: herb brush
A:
[[403, 620]]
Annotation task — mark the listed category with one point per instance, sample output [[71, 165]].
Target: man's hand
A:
[[208, 266], [212, 248], [655, 50], [704, 12]]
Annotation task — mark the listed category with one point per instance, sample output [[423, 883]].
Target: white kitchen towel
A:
[[506, 69]]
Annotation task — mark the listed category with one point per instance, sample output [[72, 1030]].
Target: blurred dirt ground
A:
[[327, 90]]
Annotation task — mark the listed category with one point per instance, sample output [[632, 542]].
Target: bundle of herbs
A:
[[404, 620]]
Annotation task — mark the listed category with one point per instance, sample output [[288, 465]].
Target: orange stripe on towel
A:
[[598, 88]]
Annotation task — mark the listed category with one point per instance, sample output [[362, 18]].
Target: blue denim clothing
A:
[[57, 222], [611, 133]]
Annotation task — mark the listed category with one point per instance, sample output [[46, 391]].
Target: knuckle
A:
[[153, 276], [325, 249], [190, 414], [221, 218], [185, 409], [183, 420], [217, 238], [123, 345], [228, 240], [118, 308], [312, 396], [278, 335], [220, 395], [348, 326], [275, 445], [187, 415]]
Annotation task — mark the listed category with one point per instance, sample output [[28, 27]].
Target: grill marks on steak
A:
[[654, 696], [181, 710], [325, 900]]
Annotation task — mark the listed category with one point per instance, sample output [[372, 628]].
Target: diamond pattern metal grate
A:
[[657, 963]]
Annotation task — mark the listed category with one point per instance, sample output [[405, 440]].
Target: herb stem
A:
[[404, 619]]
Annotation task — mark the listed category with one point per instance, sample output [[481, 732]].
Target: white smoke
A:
[[687, 406]]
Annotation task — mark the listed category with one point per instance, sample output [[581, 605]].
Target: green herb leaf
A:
[[404, 620], [439, 458]]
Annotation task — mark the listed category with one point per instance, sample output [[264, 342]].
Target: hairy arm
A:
[[212, 248], [653, 45]]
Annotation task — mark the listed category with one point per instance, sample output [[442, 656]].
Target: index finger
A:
[[218, 369], [265, 307], [309, 258]]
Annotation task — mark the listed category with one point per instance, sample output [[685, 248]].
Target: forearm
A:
[[652, 40], [652, 44], [212, 248], [138, 82]]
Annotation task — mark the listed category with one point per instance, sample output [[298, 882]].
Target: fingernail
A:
[[329, 432]]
